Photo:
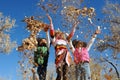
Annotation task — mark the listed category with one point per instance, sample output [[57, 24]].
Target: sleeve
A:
[[71, 33], [71, 46], [48, 39], [91, 41], [52, 35], [52, 31], [93, 38]]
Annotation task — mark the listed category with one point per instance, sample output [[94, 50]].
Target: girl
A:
[[81, 57], [63, 57]]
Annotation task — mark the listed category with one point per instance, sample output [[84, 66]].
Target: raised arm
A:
[[48, 39], [93, 38], [72, 31], [71, 46], [52, 32]]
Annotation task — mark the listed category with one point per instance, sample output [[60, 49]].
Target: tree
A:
[[112, 40], [6, 23]]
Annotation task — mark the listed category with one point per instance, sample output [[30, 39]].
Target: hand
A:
[[75, 24], [49, 17], [97, 31], [46, 28]]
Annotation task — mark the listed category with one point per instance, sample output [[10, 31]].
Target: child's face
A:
[[79, 44], [43, 41], [59, 35]]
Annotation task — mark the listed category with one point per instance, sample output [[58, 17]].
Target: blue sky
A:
[[18, 9]]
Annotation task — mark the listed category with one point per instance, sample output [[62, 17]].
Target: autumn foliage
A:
[[103, 67]]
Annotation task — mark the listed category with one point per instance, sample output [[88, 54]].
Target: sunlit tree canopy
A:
[[6, 23], [112, 40]]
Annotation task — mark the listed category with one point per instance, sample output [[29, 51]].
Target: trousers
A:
[[83, 71]]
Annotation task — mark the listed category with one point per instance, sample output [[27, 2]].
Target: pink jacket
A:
[[81, 55]]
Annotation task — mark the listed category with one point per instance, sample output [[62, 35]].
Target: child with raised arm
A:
[[62, 55], [41, 55], [81, 57]]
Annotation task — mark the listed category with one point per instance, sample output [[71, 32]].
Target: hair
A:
[[76, 43], [39, 40], [60, 32], [57, 32], [84, 44]]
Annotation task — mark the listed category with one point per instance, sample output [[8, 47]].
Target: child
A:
[[41, 55], [63, 57], [81, 57]]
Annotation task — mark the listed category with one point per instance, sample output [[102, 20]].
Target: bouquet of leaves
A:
[[34, 26]]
